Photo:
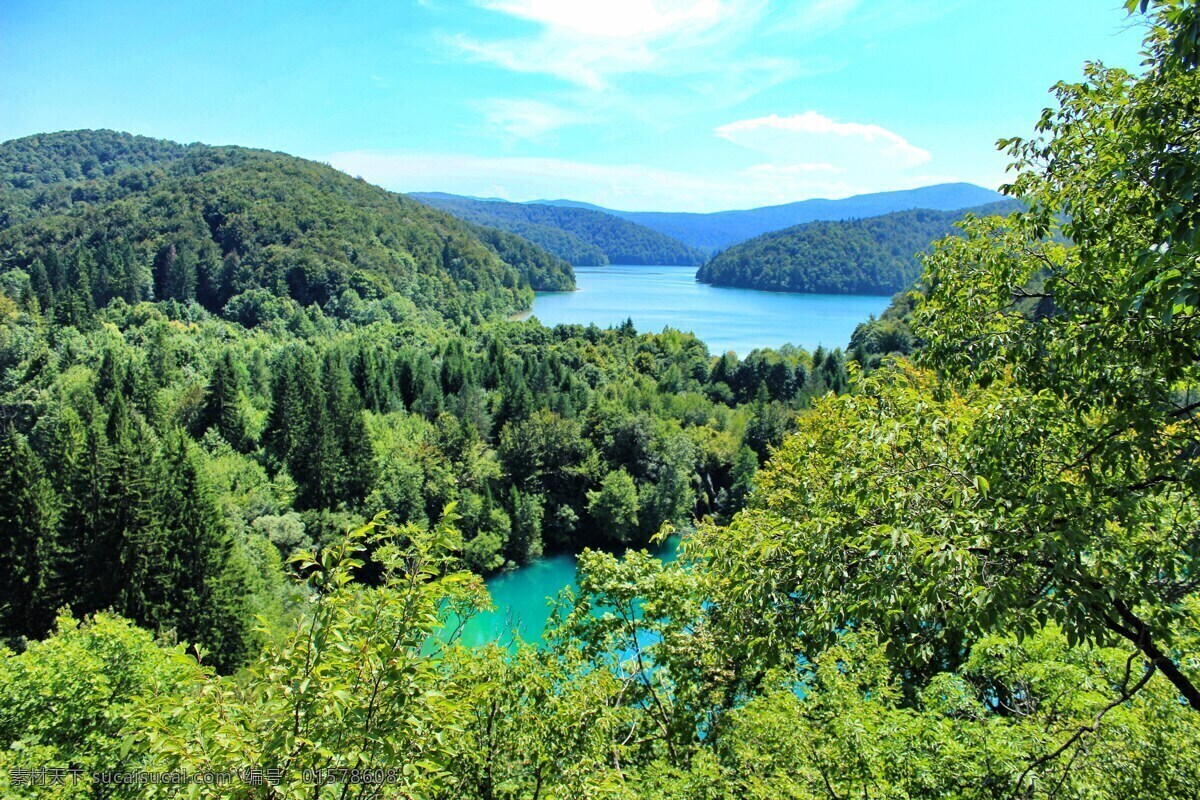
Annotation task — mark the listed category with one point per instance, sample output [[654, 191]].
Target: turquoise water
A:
[[724, 318], [522, 598], [656, 297]]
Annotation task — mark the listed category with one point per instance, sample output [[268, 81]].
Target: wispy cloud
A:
[[589, 44], [820, 15], [813, 135], [615, 19], [527, 119], [789, 170], [654, 61]]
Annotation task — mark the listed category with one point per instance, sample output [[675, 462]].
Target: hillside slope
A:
[[712, 232], [877, 255], [583, 236], [93, 215]]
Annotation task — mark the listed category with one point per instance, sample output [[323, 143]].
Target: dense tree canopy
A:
[[1041, 468], [252, 352], [582, 236], [971, 575], [53, 171], [877, 255], [873, 256], [218, 225]]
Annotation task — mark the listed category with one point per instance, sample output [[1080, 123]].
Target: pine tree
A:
[[87, 539], [525, 542], [108, 274], [206, 581], [137, 283], [745, 465], [298, 435], [40, 280], [56, 273], [76, 305], [164, 266], [222, 407], [352, 466], [184, 276], [516, 401], [62, 436], [110, 377], [175, 274], [136, 526], [30, 559]]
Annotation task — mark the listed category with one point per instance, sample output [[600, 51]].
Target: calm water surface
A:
[[656, 297], [724, 318], [522, 598]]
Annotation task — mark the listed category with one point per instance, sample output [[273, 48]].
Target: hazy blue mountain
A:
[[716, 231], [582, 236]]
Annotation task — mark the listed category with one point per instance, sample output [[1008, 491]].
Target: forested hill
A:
[[95, 215], [583, 236], [715, 231], [877, 255], [213, 359], [47, 172]]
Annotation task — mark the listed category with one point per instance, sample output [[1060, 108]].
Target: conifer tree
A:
[[137, 281], [136, 526], [525, 542], [222, 407], [40, 281], [95, 558], [110, 377], [76, 305], [29, 554], [206, 578], [298, 435], [350, 469], [175, 274]]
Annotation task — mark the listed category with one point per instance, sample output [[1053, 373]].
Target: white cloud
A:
[[589, 43], [825, 14], [614, 18], [623, 186], [527, 119], [814, 136]]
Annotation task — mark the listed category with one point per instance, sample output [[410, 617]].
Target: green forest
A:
[[267, 427], [582, 236], [214, 358], [877, 255]]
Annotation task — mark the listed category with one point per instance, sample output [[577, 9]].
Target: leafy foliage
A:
[[240, 353], [582, 236], [217, 223], [878, 255], [969, 577]]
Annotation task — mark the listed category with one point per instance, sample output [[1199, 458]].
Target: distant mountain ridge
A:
[[582, 236], [876, 255], [718, 230]]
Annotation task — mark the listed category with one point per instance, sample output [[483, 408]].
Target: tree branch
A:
[[1126, 693], [1137, 631]]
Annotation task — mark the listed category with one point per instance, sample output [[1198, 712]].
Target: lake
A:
[[522, 598], [724, 318], [656, 297]]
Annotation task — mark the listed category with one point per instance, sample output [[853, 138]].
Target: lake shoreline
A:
[[724, 318]]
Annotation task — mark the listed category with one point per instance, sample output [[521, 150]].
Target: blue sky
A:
[[691, 105]]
